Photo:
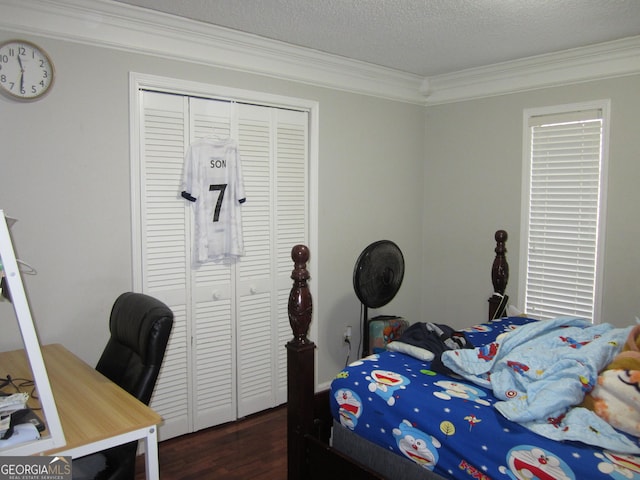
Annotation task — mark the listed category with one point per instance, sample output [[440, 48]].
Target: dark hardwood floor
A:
[[252, 448]]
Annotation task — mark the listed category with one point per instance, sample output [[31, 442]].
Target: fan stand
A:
[[366, 335]]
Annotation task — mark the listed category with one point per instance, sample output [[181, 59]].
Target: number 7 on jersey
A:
[[221, 187]]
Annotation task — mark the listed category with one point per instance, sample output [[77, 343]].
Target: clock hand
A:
[[21, 74]]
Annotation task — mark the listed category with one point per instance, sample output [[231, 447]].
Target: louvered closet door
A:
[[213, 299], [273, 145], [165, 246], [226, 356], [291, 223]]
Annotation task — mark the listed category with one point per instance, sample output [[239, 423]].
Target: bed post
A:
[[300, 366], [499, 277]]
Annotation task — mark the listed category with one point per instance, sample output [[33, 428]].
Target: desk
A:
[[95, 413]]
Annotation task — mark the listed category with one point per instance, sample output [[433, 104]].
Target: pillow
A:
[[616, 396], [616, 399], [416, 352]]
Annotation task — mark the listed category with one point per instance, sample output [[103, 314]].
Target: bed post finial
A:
[[499, 276], [300, 305], [500, 269]]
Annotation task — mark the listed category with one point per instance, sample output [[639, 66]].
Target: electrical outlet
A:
[[347, 334]]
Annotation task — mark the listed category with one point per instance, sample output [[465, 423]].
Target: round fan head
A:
[[378, 273]]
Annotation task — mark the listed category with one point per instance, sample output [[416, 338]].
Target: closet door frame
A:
[[140, 81]]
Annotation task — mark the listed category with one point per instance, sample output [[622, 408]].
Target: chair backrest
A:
[[140, 326]]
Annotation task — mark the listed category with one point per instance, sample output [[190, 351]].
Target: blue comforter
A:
[[452, 426], [541, 371]]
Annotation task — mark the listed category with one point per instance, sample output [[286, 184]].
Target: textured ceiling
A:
[[424, 37]]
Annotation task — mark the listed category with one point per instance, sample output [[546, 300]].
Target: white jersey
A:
[[212, 178]]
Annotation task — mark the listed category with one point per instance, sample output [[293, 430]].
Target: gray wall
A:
[[437, 180], [65, 173], [473, 175]]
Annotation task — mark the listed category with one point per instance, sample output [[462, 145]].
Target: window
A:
[[563, 184]]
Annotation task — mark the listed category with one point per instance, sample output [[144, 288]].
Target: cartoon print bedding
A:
[[453, 426]]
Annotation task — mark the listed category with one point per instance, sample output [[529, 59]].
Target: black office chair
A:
[[140, 326]]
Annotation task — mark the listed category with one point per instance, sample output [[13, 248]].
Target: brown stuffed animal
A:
[[629, 358]]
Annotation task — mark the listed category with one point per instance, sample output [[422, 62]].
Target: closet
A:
[[226, 357]]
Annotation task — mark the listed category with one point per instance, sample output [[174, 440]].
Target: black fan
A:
[[377, 277]]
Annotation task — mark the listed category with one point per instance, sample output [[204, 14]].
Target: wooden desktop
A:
[[95, 413]]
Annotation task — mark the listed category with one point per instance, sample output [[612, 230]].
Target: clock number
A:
[[221, 187]]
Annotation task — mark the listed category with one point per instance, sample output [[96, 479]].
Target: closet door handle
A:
[[215, 295], [253, 290]]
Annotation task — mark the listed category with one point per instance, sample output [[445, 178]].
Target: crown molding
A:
[[595, 62], [111, 24], [121, 26]]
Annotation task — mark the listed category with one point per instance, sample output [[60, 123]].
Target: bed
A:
[[394, 415]]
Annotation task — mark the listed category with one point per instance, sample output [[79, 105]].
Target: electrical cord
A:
[[348, 342], [5, 381], [19, 385], [500, 309]]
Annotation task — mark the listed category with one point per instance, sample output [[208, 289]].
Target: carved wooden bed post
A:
[[300, 366], [499, 277]]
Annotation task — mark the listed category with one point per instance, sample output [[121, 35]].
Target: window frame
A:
[[604, 106]]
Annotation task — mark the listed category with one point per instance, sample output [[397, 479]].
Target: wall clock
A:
[[26, 71]]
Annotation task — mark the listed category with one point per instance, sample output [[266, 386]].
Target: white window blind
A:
[[565, 179]]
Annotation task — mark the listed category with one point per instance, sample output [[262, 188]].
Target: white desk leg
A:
[[151, 454]]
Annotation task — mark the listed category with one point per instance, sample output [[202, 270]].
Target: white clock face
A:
[[25, 70]]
